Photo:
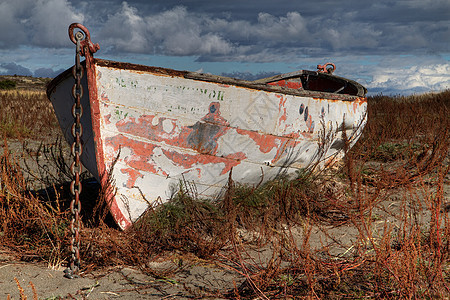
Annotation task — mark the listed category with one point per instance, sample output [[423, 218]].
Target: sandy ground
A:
[[197, 279], [119, 282]]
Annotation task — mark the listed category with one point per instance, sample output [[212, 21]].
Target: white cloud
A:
[[271, 28], [49, 21], [426, 77], [180, 32], [172, 32], [39, 23], [126, 30], [349, 35]]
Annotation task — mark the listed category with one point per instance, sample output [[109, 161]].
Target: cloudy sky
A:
[[390, 46]]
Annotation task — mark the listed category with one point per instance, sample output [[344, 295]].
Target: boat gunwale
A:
[[257, 85]]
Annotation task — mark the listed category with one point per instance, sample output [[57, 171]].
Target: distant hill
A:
[[27, 82]]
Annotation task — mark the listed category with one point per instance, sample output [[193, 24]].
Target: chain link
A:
[[76, 168]]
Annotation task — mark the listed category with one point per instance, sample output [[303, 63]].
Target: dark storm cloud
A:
[[179, 31], [244, 30], [12, 32], [234, 30]]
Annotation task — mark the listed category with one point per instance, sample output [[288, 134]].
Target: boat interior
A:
[[316, 81]]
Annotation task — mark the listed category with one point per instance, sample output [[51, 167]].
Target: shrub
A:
[[7, 84]]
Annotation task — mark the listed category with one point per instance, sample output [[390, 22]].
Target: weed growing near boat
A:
[[37, 228], [374, 226]]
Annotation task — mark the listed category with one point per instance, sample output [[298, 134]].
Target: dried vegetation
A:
[[375, 226]]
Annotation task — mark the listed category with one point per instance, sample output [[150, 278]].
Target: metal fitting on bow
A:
[[323, 68]]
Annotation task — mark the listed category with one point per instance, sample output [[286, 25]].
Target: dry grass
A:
[[26, 114], [399, 251]]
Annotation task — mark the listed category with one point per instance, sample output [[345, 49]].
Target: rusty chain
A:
[[76, 168]]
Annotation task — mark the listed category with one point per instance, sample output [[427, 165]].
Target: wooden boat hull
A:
[[154, 129]]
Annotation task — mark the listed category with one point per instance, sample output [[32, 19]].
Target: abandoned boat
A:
[[152, 128]]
